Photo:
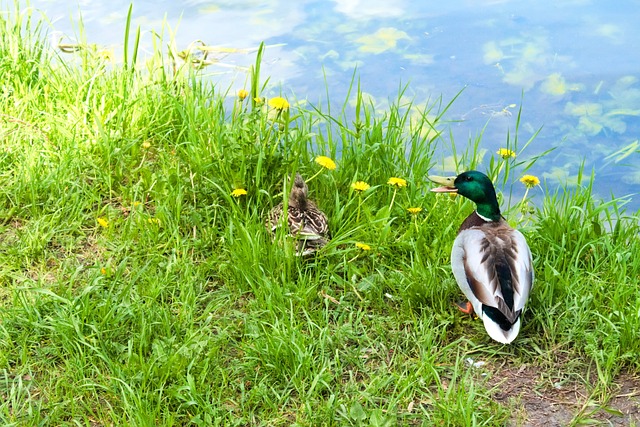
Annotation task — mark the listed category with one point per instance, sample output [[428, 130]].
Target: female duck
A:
[[307, 224], [490, 260]]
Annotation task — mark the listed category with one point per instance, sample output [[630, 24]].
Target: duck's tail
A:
[[497, 333]]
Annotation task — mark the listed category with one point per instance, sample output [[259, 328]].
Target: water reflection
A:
[[572, 64]]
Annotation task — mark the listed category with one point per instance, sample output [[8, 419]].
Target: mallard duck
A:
[[490, 260], [307, 224]]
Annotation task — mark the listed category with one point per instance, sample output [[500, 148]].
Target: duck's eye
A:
[[468, 178]]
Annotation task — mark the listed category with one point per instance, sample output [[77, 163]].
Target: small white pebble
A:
[[471, 362]]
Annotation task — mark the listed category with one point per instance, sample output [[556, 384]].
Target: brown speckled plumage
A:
[[307, 224]]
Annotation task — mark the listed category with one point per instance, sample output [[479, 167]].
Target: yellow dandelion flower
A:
[[242, 94], [103, 222], [103, 271], [146, 145], [397, 182], [360, 186], [530, 180], [239, 192], [414, 211], [326, 162], [505, 153], [135, 203], [106, 54], [154, 221], [258, 100], [363, 246], [279, 103]]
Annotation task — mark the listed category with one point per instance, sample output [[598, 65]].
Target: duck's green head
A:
[[476, 187]]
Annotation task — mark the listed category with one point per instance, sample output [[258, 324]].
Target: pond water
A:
[[573, 65]]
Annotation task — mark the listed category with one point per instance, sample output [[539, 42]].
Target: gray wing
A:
[[494, 268]]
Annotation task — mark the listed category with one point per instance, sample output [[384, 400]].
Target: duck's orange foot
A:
[[465, 307]]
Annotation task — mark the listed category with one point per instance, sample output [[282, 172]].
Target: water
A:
[[573, 65]]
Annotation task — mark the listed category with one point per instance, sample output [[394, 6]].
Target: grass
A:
[[135, 290]]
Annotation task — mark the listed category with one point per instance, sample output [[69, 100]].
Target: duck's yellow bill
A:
[[447, 183]]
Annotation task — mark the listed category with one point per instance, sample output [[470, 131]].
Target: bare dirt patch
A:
[[537, 401]]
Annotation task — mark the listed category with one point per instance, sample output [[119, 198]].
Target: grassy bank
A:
[[136, 289]]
